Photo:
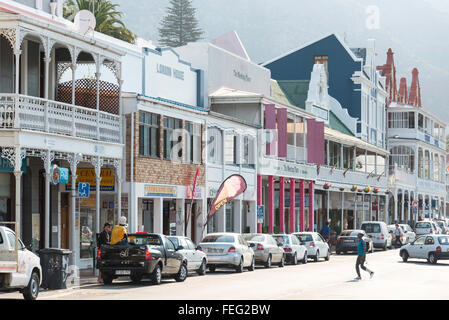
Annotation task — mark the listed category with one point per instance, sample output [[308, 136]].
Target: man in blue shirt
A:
[[361, 256], [325, 231]]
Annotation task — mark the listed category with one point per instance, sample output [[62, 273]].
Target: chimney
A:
[[402, 96], [415, 90], [388, 70]]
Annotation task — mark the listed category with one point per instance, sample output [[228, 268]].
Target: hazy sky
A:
[[416, 30]]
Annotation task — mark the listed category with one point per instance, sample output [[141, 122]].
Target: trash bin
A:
[[55, 265]]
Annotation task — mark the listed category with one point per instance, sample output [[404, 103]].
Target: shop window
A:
[[231, 148], [148, 134], [193, 142], [172, 137], [248, 151]]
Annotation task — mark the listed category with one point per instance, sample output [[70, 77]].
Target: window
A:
[[420, 122], [170, 245], [12, 241], [214, 145], [429, 240], [1, 239], [248, 151], [190, 244], [171, 136], [348, 157], [175, 241], [148, 134], [419, 241], [230, 216], [193, 142], [403, 157], [443, 240], [231, 148], [371, 228], [219, 238], [334, 154]]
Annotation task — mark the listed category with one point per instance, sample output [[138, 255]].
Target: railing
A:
[[298, 154], [351, 177], [31, 113], [404, 176]]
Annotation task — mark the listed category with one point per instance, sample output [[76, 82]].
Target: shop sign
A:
[[6, 167], [260, 214], [284, 169], [88, 175], [160, 191], [59, 175], [90, 202]]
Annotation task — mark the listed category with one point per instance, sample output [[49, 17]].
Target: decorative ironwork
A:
[[47, 157], [11, 35], [97, 162]]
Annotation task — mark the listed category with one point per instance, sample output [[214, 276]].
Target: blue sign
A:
[[260, 213], [83, 189], [5, 166], [63, 175]]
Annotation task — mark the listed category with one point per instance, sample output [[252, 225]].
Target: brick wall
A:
[[158, 170]]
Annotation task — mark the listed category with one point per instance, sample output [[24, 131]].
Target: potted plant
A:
[[342, 189], [326, 186], [376, 190], [354, 188], [367, 189]]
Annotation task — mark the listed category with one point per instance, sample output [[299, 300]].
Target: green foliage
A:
[[179, 26], [107, 15]]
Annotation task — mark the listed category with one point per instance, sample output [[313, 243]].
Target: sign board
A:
[[260, 214], [83, 189], [160, 191], [88, 175], [414, 210]]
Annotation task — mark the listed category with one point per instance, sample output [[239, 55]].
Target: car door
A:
[[275, 249], [19, 278], [429, 245], [246, 250], [321, 244], [173, 259], [196, 257], [187, 253]]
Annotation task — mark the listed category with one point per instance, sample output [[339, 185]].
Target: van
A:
[[378, 232]]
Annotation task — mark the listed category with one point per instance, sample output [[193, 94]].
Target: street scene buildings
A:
[[323, 133]]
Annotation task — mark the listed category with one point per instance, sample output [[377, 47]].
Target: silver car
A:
[[316, 246], [409, 234], [266, 250], [227, 250], [293, 249], [196, 259]]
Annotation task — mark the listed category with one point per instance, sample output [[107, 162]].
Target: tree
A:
[[179, 26], [108, 17]]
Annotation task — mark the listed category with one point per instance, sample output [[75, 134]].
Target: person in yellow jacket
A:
[[119, 234]]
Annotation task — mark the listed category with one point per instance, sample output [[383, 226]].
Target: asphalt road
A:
[[334, 279]]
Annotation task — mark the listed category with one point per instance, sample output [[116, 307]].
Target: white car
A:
[[294, 250], [409, 234], [378, 232], [24, 273], [316, 246], [426, 227], [431, 247], [196, 258]]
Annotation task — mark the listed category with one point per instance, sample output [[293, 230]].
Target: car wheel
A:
[[32, 290], [282, 263], [107, 279], [432, 258], [239, 268], [295, 259], [384, 248], [202, 270], [156, 276], [317, 256], [328, 255], [305, 258], [268, 263], [252, 267], [136, 278], [338, 252], [182, 273], [404, 256]]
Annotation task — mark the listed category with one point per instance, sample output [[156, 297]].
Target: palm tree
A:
[[108, 17]]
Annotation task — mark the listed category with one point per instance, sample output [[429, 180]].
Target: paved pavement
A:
[[393, 279]]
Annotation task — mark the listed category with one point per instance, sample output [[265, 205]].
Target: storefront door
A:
[[65, 221]]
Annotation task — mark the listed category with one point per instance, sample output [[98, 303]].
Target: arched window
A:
[[420, 164], [427, 165], [214, 145]]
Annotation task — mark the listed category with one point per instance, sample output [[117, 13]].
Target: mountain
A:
[[416, 30]]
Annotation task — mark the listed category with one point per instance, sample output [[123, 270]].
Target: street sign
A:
[[415, 203], [83, 189], [260, 214], [414, 210]]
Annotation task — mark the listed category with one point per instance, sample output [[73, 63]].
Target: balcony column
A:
[[402, 205], [73, 67], [74, 160], [17, 162], [311, 199], [281, 205], [259, 199], [355, 211], [301, 205], [395, 205], [47, 156], [342, 211], [118, 175], [292, 221], [409, 207], [270, 204], [97, 162], [97, 77], [17, 54]]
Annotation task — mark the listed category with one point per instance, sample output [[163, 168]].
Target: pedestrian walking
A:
[[398, 234], [325, 231], [361, 257], [119, 235], [104, 238]]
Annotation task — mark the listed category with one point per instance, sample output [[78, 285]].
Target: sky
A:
[[416, 30]]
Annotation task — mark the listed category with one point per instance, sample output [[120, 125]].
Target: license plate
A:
[[214, 250], [123, 272], [348, 241]]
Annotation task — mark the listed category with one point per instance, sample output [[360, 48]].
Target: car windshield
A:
[[443, 240], [349, 233], [219, 238], [281, 239], [422, 225], [254, 237], [151, 240], [371, 227], [305, 237]]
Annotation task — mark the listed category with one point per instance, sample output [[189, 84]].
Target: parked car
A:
[[409, 234], [196, 259], [443, 226], [316, 246], [425, 227], [21, 272], [147, 255], [293, 249], [227, 250], [348, 241], [267, 250], [392, 231], [432, 247], [378, 232]]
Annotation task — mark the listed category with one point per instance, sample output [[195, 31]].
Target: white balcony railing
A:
[[298, 154], [360, 179], [31, 113]]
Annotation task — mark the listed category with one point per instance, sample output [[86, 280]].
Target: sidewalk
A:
[[87, 276]]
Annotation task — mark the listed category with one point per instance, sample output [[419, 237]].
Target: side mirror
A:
[[280, 244], [252, 245], [180, 248], [198, 248], [29, 247]]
